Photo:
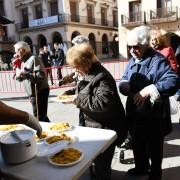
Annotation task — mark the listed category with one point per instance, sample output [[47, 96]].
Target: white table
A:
[[91, 141]]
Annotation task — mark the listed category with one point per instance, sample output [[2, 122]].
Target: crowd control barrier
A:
[[10, 85]]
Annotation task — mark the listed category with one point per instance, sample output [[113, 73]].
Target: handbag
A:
[[173, 105]]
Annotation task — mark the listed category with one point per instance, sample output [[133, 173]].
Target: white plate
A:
[[73, 140], [59, 130], [68, 98], [68, 164], [44, 149], [7, 128], [11, 127]]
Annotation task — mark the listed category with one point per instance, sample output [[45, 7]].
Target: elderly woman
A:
[[148, 81], [74, 76], [98, 100], [158, 42]]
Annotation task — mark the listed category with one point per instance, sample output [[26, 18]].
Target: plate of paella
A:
[[66, 157]]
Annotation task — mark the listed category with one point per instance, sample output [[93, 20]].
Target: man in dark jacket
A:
[[46, 59], [58, 56], [34, 79]]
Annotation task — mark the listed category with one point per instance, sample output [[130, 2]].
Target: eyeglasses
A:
[[134, 47]]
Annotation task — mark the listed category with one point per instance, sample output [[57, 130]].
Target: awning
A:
[[5, 20]]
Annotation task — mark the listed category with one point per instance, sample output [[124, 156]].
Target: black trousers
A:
[[102, 164], [148, 147], [49, 73], [59, 73], [42, 102]]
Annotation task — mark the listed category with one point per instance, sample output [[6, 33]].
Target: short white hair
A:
[[139, 35], [80, 39], [22, 45]]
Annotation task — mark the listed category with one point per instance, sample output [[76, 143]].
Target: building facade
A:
[[163, 14], [43, 22]]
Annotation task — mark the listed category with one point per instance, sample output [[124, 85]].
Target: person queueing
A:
[[58, 57], [98, 100], [158, 42], [73, 77], [46, 59], [148, 81], [10, 115], [34, 79]]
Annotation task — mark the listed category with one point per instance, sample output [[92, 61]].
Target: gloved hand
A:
[[34, 123]]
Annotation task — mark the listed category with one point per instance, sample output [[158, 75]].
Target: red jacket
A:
[[16, 63], [170, 55]]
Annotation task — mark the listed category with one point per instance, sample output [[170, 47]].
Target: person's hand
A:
[[24, 75], [141, 96], [124, 88], [34, 124]]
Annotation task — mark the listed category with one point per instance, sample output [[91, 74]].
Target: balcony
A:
[[75, 18], [91, 20], [64, 19], [164, 15], [134, 19]]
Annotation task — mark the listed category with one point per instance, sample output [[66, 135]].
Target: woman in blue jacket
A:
[[148, 81]]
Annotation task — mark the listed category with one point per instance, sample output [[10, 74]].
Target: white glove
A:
[[34, 124]]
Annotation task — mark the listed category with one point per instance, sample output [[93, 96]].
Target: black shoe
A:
[[138, 172], [155, 177]]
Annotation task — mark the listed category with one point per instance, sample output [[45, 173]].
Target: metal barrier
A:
[[10, 85]]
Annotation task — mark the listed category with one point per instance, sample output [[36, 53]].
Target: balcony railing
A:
[[91, 20], [164, 14], [64, 19], [154, 16], [75, 18], [134, 18]]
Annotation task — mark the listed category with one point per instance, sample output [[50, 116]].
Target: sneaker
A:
[[138, 172]]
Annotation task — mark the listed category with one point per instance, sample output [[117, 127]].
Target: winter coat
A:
[[58, 57], [99, 102], [170, 55], [152, 69], [36, 75]]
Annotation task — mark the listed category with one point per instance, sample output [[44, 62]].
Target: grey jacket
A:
[[34, 68]]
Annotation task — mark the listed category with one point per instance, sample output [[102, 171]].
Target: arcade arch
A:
[[29, 41], [105, 46]]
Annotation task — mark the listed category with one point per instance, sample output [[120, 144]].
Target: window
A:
[[74, 11], [25, 18], [135, 11], [164, 3], [164, 8], [90, 15], [38, 11], [103, 16], [115, 18], [53, 8], [2, 12]]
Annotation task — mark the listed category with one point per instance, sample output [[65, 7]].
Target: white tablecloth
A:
[[91, 141]]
